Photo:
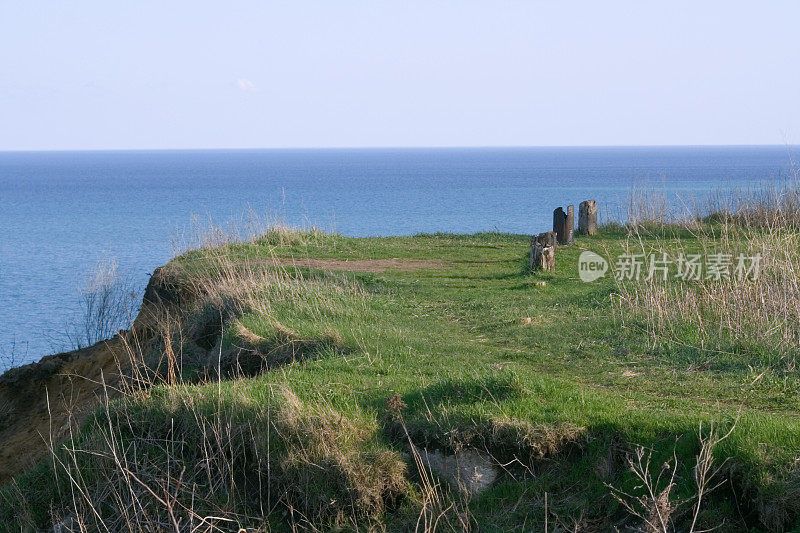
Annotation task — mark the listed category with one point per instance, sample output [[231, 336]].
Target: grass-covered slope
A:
[[301, 379]]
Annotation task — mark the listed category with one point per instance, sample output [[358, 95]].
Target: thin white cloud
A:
[[246, 85]]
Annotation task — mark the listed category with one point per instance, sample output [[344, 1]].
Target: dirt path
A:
[[359, 265]]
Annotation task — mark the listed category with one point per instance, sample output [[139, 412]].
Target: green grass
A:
[[456, 344]]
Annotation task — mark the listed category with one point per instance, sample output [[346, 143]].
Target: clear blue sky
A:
[[242, 74]]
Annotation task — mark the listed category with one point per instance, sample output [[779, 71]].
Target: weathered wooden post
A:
[[559, 223], [564, 224], [543, 251], [570, 224], [587, 217]]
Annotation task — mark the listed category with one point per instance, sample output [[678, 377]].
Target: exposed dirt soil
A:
[[39, 401], [359, 265]]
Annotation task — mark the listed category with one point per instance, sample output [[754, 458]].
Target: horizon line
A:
[[395, 147]]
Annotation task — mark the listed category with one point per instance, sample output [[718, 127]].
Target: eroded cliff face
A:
[[40, 402]]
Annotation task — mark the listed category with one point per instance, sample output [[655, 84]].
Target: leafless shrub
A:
[[768, 205], [15, 354], [706, 471], [653, 501], [108, 302], [653, 505]]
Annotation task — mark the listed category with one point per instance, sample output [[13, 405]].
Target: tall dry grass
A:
[[758, 314], [769, 206], [206, 233], [182, 459]]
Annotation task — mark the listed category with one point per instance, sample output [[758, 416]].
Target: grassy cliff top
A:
[[284, 357]]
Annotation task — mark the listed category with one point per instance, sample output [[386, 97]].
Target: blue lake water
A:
[[63, 212]]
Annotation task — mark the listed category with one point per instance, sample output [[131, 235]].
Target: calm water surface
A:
[[63, 212]]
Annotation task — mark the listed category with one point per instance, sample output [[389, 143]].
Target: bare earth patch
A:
[[359, 265], [43, 401]]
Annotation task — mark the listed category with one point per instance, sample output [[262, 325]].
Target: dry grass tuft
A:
[[331, 469], [759, 315], [250, 227], [756, 314], [537, 440], [144, 462], [245, 335]]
